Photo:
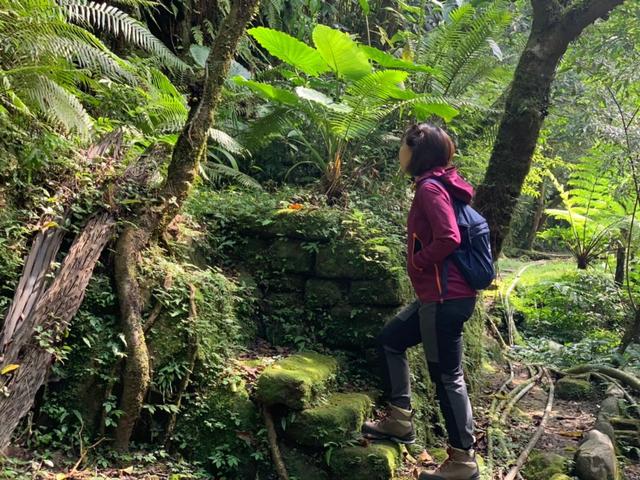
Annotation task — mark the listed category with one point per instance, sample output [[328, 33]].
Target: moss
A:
[[393, 291], [354, 327], [560, 476], [290, 256], [545, 465], [296, 381], [286, 283], [337, 420], [474, 353], [349, 259], [378, 461], [439, 455], [322, 293], [569, 388]]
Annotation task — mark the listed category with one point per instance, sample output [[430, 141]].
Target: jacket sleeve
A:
[[436, 208]]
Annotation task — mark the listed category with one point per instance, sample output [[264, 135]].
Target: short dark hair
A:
[[430, 146]]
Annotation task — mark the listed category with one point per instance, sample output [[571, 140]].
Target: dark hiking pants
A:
[[438, 326]]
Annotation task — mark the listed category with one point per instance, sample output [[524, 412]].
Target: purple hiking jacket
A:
[[433, 234]]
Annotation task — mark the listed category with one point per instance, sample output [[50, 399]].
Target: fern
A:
[[113, 20]]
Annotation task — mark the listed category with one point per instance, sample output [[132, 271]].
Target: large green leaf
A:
[[387, 60], [268, 92], [341, 53], [290, 50], [321, 99], [424, 110], [383, 85]]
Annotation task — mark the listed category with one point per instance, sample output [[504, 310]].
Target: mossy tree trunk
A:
[[182, 171], [555, 25]]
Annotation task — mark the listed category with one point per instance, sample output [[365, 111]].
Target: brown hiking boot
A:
[[461, 465], [396, 425]]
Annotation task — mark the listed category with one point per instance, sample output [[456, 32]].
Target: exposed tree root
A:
[[278, 463], [620, 375], [522, 458], [517, 394]]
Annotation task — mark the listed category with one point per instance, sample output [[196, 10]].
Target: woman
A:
[[445, 302]]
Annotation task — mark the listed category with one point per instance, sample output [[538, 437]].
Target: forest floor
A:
[[567, 421]]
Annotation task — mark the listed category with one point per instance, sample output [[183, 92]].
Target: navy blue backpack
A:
[[473, 257]]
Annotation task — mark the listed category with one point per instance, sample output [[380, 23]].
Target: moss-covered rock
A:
[[285, 283], [336, 420], [378, 461], [569, 388], [348, 259], [560, 476], [296, 381], [322, 293], [290, 256], [393, 291], [545, 465]]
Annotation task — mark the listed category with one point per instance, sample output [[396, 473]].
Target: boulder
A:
[[595, 459], [568, 388], [348, 259], [301, 466], [355, 327], [296, 381], [377, 461], [337, 420]]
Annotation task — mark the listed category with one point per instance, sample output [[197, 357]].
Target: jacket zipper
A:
[[413, 247], [438, 284]]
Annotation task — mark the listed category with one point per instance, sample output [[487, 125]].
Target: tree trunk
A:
[[631, 332], [49, 320], [621, 259], [182, 171], [554, 27]]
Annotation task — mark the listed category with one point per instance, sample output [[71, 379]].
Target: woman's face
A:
[[405, 157]]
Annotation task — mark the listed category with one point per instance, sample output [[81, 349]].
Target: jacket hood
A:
[[453, 182]]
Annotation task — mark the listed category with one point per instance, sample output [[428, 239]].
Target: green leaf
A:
[[199, 54], [341, 53], [268, 92], [290, 50], [319, 97], [387, 60], [364, 5], [424, 110]]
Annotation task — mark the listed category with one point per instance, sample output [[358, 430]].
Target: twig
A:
[[278, 463], [534, 440]]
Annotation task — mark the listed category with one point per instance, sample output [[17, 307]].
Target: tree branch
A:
[[583, 13]]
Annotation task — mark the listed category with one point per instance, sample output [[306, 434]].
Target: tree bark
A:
[[49, 320], [537, 217], [554, 27], [621, 259], [182, 171]]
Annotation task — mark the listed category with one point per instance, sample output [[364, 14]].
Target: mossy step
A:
[[296, 381], [335, 420], [378, 461]]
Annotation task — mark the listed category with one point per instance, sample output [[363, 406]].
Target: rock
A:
[[544, 465], [289, 256], [554, 346], [614, 391], [603, 425], [610, 407], [337, 420], [596, 458], [347, 259], [290, 283], [569, 388], [322, 293], [392, 292], [560, 476], [378, 461], [296, 381]]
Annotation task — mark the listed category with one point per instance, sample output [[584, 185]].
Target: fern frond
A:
[[227, 142], [217, 172], [113, 20]]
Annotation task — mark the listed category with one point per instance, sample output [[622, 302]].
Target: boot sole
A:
[[403, 441], [476, 476]]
